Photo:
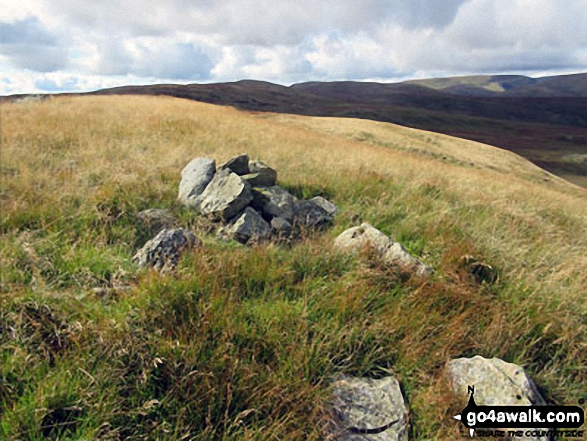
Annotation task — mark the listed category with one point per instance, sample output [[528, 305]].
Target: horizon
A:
[[374, 81]]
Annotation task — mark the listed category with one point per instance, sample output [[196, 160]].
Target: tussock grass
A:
[[241, 342]]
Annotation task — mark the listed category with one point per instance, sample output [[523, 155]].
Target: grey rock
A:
[[274, 202], [194, 179], [281, 227], [310, 214], [496, 383], [328, 206], [361, 405], [225, 196], [260, 175], [156, 219], [249, 226], [164, 250], [239, 165], [389, 252]]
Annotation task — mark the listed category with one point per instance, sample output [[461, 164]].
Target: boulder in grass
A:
[[496, 382], [365, 409], [249, 226], [274, 202], [194, 179], [225, 196], [164, 250], [238, 164], [260, 175], [389, 252], [310, 214]]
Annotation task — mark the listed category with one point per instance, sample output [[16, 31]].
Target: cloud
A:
[[154, 58], [288, 41], [28, 44]]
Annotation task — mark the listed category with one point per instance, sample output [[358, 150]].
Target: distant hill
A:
[[510, 85], [541, 119]]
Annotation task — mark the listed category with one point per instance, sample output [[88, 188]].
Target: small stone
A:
[[325, 204], [274, 202], [164, 250], [366, 409], [496, 382], [194, 179], [239, 165], [389, 252], [281, 227], [249, 226], [260, 175], [310, 214], [225, 197]]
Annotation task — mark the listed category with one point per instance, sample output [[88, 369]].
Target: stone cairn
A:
[[242, 195]]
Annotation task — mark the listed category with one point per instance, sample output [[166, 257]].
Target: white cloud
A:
[[285, 42]]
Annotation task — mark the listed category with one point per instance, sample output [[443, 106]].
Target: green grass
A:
[[243, 342]]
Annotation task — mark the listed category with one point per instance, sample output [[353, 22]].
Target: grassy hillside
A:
[[240, 342], [543, 120]]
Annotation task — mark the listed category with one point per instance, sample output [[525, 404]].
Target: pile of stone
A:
[[244, 197]]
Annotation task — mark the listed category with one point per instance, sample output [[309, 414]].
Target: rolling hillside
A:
[[543, 120], [243, 342]]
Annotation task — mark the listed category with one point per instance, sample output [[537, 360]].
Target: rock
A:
[[194, 179], [164, 250], [274, 202], [155, 219], [281, 228], [239, 165], [260, 175], [249, 226], [366, 409], [310, 214], [496, 382], [389, 252], [481, 271], [328, 206], [225, 196]]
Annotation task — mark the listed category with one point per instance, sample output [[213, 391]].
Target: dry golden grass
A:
[[73, 168]]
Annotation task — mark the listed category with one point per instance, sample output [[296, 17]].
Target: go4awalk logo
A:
[[522, 418]]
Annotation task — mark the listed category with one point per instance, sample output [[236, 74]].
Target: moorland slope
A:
[[243, 342]]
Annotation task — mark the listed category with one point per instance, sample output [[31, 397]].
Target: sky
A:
[[51, 46]]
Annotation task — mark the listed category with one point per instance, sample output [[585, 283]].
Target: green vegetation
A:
[[242, 342]]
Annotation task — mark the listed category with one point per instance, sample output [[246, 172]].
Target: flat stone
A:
[[238, 164], [496, 382], [368, 410], [194, 179], [389, 252], [225, 196]]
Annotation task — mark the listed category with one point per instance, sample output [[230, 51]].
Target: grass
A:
[[243, 342]]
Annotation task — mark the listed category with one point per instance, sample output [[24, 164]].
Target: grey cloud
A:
[[28, 44], [174, 61], [256, 22]]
